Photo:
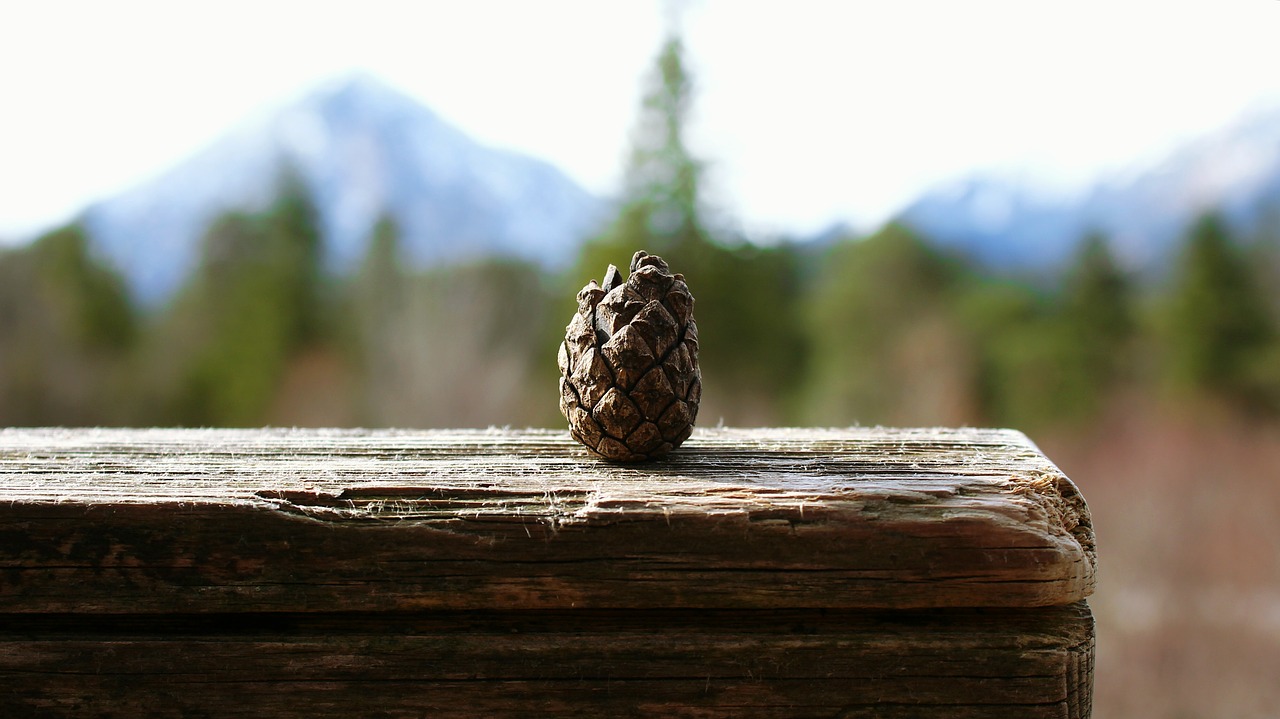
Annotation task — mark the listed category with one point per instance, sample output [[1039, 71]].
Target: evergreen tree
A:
[[663, 179], [252, 305], [1045, 359], [745, 298], [455, 346], [1097, 326], [381, 277], [1264, 254], [886, 345], [294, 227], [67, 333], [379, 296], [1264, 258], [1017, 351], [1218, 326], [94, 298], [233, 330], [1096, 299], [661, 211]]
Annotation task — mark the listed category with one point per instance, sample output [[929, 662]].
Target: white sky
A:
[[808, 112]]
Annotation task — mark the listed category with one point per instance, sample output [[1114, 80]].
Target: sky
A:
[[807, 112]]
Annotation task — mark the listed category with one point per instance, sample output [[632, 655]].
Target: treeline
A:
[[261, 333], [879, 329], [884, 329]]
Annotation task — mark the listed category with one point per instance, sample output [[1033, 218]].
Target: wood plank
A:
[[165, 521], [937, 663]]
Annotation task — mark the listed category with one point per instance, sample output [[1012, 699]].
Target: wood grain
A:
[[192, 521], [753, 573], [1025, 663]]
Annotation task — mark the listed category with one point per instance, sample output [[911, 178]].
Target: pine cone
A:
[[629, 380]]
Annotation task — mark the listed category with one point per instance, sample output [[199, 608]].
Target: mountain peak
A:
[[360, 89], [362, 148]]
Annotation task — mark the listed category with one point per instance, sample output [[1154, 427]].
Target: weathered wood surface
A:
[[195, 521], [1013, 663], [754, 573]]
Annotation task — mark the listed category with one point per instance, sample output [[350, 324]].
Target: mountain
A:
[[1008, 225], [361, 148]]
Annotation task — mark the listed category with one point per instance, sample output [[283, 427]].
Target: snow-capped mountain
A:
[[361, 148], [1007, 225]]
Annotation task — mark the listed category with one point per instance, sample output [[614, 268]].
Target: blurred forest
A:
[[882, 329], [878, 329], [1159, 395]]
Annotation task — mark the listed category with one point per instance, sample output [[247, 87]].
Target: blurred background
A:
[[1063, 219]]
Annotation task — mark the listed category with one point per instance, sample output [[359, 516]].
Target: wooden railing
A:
[[775, 572]]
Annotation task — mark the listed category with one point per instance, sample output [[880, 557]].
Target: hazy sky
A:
[[808, 112]]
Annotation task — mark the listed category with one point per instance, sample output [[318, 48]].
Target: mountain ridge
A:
[[1234, 170], [361, 148]]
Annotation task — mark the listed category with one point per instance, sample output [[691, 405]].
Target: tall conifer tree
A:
[[751, 344], [1217, 322]]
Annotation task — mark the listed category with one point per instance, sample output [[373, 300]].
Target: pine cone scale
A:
[[653, 393], [658, 325], [627, 353], [617, 412], [630, 383], [646, 435], [674, 419], [591, 378]]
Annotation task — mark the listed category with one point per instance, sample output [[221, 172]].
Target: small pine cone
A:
[[629, 380]]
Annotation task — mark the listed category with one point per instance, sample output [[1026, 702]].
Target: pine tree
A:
[[1097, 325], [94, 298], [381, 277], [380, 323], [67, 334], [886, 344], [293, 229], [1096, 297], [752, 349], [252, 305], [1218, 326], [661, 208], [1018, 351]]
